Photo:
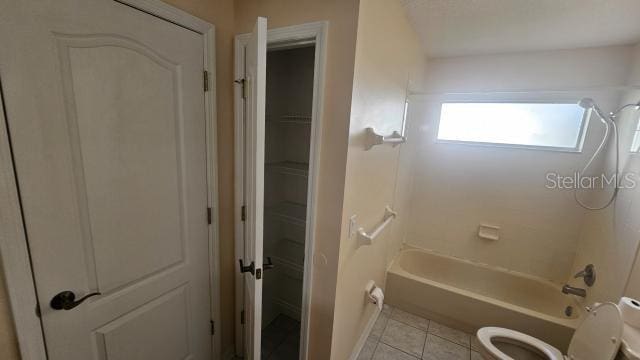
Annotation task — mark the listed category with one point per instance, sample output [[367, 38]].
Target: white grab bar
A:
[[367, 239]]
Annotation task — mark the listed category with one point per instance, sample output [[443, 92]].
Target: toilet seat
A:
[[486, 334], [597, 337]]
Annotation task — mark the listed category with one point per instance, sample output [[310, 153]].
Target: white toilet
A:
[[597, 338]]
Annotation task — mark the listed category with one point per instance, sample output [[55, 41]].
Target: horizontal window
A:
[[538, 125]]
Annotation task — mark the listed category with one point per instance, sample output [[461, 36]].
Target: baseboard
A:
[[365, 334]]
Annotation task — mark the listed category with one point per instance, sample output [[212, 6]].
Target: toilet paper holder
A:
[[369, 289]]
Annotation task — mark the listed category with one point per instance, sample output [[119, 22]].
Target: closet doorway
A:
[[294, 60]]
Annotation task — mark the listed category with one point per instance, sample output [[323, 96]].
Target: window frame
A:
[[584, 124], [635, 140]]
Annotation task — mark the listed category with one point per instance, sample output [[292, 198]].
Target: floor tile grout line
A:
[[385, 328], [453, 342], [374, 350], [277, 346], [434, 334], [393, 347], [286, 336], [380, 341], [423, 345], [427, 332], [402, 322], [447, 340], [423, 348]]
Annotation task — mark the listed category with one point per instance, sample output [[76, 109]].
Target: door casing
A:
[[316, 33], [14, 250]]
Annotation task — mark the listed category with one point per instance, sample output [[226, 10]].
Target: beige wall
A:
[[388, 54], [544, 232], [610, 238], [342, 17], [458, 187], [632, 287], [587, 68], [220, 13], [8, 341]]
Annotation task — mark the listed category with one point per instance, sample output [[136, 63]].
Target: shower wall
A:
[[458, 187], [609, 238]]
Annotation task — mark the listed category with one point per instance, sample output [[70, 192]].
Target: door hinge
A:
[[243, 83], [213, 327], [243, 213], [209, 216], [206, 80], [38, 311], [242, 317]]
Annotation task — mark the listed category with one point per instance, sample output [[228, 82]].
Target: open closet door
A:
[[255, 87]]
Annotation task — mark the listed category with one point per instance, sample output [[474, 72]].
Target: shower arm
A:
[[613, 114]]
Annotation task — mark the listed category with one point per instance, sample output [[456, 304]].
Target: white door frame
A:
[[316, 31], [14, 249]]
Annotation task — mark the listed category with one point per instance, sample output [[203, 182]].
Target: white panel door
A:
[[255, 85], [105, 107]]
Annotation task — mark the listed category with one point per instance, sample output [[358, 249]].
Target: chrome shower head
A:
[[589, 103], [586, 103]]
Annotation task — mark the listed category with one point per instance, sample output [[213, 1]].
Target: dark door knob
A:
[[251, 268], [66, 300]]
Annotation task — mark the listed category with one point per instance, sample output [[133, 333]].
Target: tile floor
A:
[[281, 339], [399, 335]]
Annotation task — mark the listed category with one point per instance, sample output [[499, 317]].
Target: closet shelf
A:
[[291, 309], [296, 118], [290, 119], [290, 167], [293, 241], [290, 265], [291, 212], [290, 250]]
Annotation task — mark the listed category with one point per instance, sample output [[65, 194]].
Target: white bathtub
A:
[[470, 295]]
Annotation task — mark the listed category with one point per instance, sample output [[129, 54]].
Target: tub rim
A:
[[573, 323]]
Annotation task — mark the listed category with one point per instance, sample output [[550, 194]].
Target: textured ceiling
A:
[[465, 27]]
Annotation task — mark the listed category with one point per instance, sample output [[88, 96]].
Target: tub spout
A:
[[574, 291]]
